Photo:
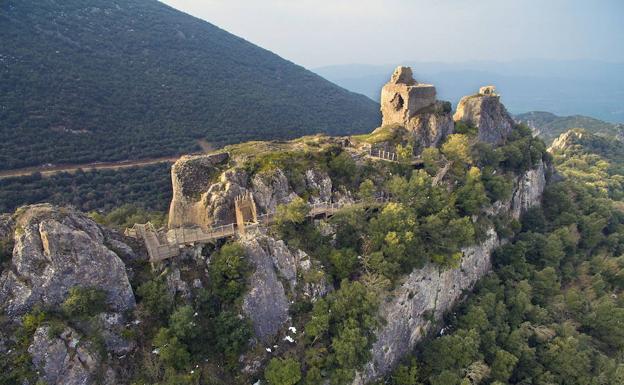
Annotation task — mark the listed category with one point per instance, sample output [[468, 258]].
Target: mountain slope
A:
[[96, 80], [549, 126]]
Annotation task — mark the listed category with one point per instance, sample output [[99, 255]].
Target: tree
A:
[[405, 153], [367, 190], [457, 149], [171, 351], [471, 197], [156, 298], [344, 263], [182, 324], [282, 371], [503, 365], [227, 271], [293, 212], [432, 158]]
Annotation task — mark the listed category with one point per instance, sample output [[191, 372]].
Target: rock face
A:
[[55, 250], [202, 197], [425, 296], [528, 191], [277, 272], [485, 111], [421, 301], [63, 360], [6, 226], [411, 105], [191, 176]]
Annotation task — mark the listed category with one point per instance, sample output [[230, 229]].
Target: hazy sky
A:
[[316, 33]]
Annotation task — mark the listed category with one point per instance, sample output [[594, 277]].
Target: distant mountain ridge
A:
[[586, 87], [95, 80], [549, 126]]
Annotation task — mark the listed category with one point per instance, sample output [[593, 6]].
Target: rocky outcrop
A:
[[7, 225], [277, 272], [528, 191], [412, 105], [485, 111], [57, 249], [209, 200], [191, 176], [428, 293], [64, 359]]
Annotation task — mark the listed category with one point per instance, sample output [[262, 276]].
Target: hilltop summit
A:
[[413, 106], [485, 112]]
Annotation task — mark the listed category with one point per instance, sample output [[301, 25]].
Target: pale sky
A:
[[316, 33]]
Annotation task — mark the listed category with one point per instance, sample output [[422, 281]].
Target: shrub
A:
[[282, 371], [84, 302]]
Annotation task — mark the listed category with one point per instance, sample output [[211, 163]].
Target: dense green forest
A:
[[84, 81], [148, 187], [552, 310]]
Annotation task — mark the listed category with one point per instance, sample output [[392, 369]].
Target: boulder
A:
[[64, 359], [409, 104], [57, 249], [485, 112]]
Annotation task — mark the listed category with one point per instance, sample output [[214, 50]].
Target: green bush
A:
[[84, 302], [282, 371]]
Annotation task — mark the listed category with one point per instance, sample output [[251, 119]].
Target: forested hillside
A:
[[552, 310], [549, 126], [96, 80]]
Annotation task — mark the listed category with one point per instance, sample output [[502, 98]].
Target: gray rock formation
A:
[[63, 360], [266, 303], [423, 298], [191, 176], [6, 226], [203, 197], [277, 272], [411, 105], [485, 111], [57, 249], [528, 191]]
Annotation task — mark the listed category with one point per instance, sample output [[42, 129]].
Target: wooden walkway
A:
[[177, 238]]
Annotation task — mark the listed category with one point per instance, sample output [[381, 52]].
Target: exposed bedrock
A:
[[57, 249], [485, 111], [208, 200]]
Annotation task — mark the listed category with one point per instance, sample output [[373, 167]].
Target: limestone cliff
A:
[[420, 302], [412, 105], [55, 250], [191, 176], [278, 272], [485, 111], [205, 196]]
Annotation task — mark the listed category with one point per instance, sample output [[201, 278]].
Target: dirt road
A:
[[47, 171]]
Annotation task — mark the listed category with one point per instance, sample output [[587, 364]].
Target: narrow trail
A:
[[49, 171]]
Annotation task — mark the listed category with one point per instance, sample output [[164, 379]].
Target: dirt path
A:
[[71, 168], [48, 171]]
